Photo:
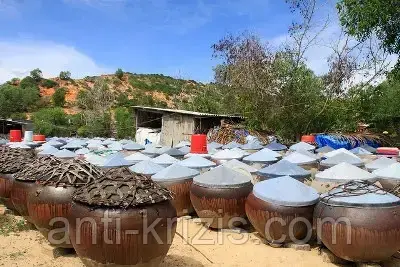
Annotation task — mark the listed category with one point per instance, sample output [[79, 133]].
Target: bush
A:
[[14, 81], [28, 81], [59, 97], [96, 125], [37, 75], [17, 100], [51, 122], [65, 75], [119, 73], [124, 123], [18, 116], [48, 83]]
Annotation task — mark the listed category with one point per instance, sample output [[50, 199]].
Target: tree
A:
[[119, 73], [372, 18], [65, 75], [124, 123], [59, 97], [28, 82], [37, 75], [17, 100]]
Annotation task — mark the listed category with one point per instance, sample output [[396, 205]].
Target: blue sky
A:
[[172, 37]]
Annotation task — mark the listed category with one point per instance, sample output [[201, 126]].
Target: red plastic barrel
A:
[[308, 138], [387, 151], [39, 138], [15, 136], [199, 144]]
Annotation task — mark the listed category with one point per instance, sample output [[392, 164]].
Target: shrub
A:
[[37, 75], [59, 97], [14, 81], [28, 81], [51, 122], [48, 83], [65, 75], [18, 116], [124, 123], [119, 73], [16, 100]]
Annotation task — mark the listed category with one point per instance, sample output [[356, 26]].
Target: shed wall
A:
[[176, 128]]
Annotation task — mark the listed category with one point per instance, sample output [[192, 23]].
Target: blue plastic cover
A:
[[337, 142], [286, 191]]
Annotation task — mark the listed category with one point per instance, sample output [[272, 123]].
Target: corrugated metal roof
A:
[[187, 112]]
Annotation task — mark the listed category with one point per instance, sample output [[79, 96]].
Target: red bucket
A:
[[199, 144], [308, 139], [39, 138], [15, 136]]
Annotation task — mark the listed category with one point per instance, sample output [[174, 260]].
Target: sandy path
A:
[[29, 248]]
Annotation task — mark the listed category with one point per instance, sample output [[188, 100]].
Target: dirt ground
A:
[[30, 248]]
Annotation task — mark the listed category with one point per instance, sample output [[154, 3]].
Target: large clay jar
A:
[[132, 204], [178, 179], [281, 210], [50, 203], [359, 222], [218, 196], [11, 161], [283, 168]]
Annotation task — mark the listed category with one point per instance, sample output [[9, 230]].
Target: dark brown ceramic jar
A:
[[360, 225], [178, 179], [219, 196], [281, 210], [50, 203], [141, 222]]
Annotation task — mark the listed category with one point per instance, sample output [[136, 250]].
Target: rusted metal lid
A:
[[129, 190], [222, 177], [359, 194], [286, 191]]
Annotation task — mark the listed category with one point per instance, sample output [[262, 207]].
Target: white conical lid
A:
[[302, 145], [342, 157], [390, 172], [185, 150], [369, 148], [276, 146], [380, 163], [197, 162], [232, 144], [286, 191], [234, 164], [131, 146], [151, 150], [165, 159], [72, 145], [115, 161], [360, 151], [82, 151], [146, 167], [136, 157], [174, 172], [175, 152], [222, 177], [182, 144], [263, 155], [163, 149], [252, 146], [270, 152], [54, 143], [19, 145], [324, 149], [214, 145], [299, 158], [50, 150], [284, 168], [116, 146], [227, 154], [65, 153], [236, 149], [308, 153], [344, 172], [95, 159], [339, 151]]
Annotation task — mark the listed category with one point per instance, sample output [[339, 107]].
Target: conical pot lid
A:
[[54, 143], [185, 150], [82, 151], [302, 145], [276, 146], [286, 191], [227, 154], [234, 164], [64, 154], [252, 146], [137, 157], [175, 152], [261, 156], [116, 146], [146, 167], [308, 153], [162, 150], [390, 172], [33, 171], [222, 177], [133, 147], [284, 168], [344, 172], [95, 159], [340, 158], [231, 145], [50, 150], [339, 151], [182, 144], [151, 150], [299, 158], [164, 159], [236, 149], [270, 152], [72, 145], [369, 148], [197, 162], [360, 151], [324, 149], [134, 191], [214, 145], [115, 161], [73, 172], [175, 172], [20, 145], [359, 194], [380, 163]]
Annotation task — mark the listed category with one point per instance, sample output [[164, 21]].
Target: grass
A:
[[10, 224]]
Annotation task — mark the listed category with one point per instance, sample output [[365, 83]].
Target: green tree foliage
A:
[[96, 124], [52, 122], [17, 100], [48, 83], [65, 75], [379, 18], [124, 122], [37, 75], [59, 97], [119, 73], [28, 82]]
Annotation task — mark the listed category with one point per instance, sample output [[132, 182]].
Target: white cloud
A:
[[18, 58]]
